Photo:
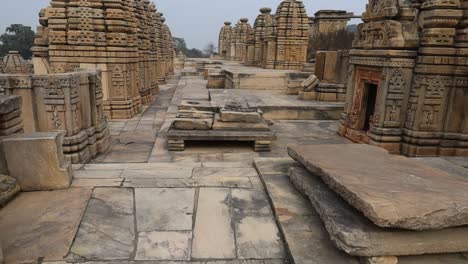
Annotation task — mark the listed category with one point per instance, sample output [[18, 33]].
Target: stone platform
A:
[[356, 235], [254, 78], [303, 229], [262, 139], [278, 106], [392, 191]]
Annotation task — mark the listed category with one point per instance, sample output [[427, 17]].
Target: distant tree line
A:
[[341, 40], [181, 45], [17, 37]]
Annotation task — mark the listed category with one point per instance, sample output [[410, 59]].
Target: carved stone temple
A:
[[277, 41], [127, 40], [408, 78]]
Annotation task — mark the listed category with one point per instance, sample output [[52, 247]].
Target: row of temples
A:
[[407, 87], [93, 60], [276, 41], [404, 81], [127, 40]]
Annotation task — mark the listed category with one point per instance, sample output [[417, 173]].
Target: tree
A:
[[17, 37], [181, 45], [209, 49]]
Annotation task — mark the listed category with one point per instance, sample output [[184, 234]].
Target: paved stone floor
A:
[[140, 203]]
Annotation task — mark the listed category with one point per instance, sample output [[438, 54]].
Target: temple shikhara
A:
[[305, 136]]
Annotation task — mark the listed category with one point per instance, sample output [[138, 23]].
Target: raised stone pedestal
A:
[[36, 161], [354, 234], [392, 191]]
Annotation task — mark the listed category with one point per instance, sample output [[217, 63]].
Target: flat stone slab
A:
[[240, 126], [392, 191], [164, 209], [227, 115], [257, 236], [164, 246], [197, 105], [220, 135], [356, 235], [307, 239], [192, 124], [213, 233], [107, 231], [41, 224]]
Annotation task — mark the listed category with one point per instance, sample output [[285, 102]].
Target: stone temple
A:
[[116, 147]]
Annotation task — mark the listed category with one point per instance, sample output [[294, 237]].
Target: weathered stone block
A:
[[197, 105], [310, 83], [392, 191], [193, 124], [36, 161], [240, 126], [8, 189], [246, 117], [354, 234]]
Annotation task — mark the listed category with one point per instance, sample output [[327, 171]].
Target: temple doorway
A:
[[371, 92]]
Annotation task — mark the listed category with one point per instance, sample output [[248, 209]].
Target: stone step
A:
[[356, 235], [392, 191]]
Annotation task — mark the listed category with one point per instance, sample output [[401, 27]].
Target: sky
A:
[[197, 21]]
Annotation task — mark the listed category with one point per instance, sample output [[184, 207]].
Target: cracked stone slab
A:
[[223, 182], [97, 182], [41, 224], [164, 245], [164, 209], [213, 233], [107, 229], [257, 236], [224, 172], [97, 174], [162, 173], [358, 236], [392, 191]]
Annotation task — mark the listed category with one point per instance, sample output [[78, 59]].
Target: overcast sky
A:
[[198, 21]]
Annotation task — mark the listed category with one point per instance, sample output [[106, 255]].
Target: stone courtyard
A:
[[140, 203]]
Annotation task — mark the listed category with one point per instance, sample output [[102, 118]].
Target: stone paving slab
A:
[[356, 235], [97, 174], [222, 182], [164, 245], [164, 209], [257, 236], [224, 172], [235, 261], [107, 231], [41, 224], [162, 173], [392, 191], [213, 232], [97, 182], [140, 166]]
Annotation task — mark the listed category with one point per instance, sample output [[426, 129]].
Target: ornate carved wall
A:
[[125, 39], [69, 102], [413, 53]]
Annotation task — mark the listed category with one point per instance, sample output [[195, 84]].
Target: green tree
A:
[[340, 40], [17, 37], [181, 45]]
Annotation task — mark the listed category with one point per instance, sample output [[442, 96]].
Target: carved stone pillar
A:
[[433, 83]]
